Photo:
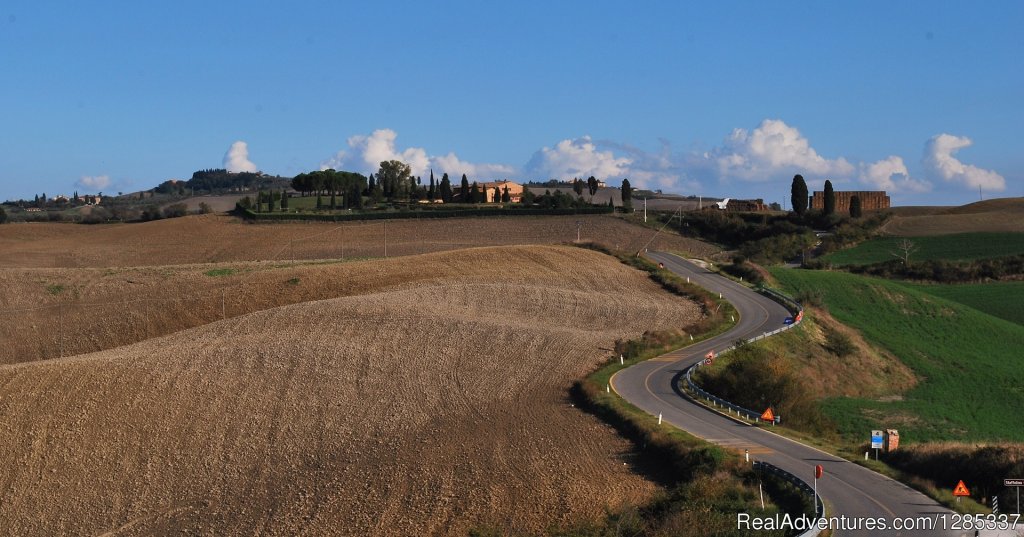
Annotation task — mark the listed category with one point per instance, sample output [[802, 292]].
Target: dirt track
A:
[[216, 238], [402, 408]]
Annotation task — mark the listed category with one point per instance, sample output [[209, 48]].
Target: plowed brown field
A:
[[428, 398], [215, 238], [997, 215]]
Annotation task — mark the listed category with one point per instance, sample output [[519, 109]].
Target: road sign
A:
[[818, 471], [710, 355], [961, 489], [1013, 482], [708, 361], [799, 316], [768, 415], [876, 439]]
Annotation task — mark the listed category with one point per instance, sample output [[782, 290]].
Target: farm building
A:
[[747, 206], [869, 200], [515, 190]]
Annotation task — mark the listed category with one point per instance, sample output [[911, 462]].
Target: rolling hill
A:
[[400, 407]]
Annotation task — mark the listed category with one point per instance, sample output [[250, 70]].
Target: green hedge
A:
[[432, 213]]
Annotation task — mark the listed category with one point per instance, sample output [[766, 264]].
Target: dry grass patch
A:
[[215, 238], [429, 398]]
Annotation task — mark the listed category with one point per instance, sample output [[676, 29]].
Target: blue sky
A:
[[731, 99]]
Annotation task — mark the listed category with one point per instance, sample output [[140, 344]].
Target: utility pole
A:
[[60, 331], [645, 210], [578, 225]]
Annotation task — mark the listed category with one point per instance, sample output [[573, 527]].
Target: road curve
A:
[[847, 489]]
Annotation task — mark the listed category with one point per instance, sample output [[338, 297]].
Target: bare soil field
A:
[[427, 399], [217, 238], [219, 204], [997, 215]]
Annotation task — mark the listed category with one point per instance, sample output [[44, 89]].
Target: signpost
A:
[[709, 358], [876, 442], [818, 472], [768, 415], [960, 490], [1016, 483]]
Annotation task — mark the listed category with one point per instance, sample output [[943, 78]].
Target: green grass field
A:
[[971, 383], [1001, 299], [960, 247]]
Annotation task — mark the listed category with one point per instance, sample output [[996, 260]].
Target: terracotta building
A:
[[515, 190], [747, 206], [870, 200]]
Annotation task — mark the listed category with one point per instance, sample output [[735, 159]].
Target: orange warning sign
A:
[[768, 415], [961, 489], [710, 355]]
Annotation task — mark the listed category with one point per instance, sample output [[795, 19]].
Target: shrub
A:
[[839, 343], [176, 210]]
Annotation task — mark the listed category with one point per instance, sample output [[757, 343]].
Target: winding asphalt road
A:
[[847, 488]]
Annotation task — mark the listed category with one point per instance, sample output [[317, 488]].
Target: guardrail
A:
[[794, 307], [819, 506], [732, 408]]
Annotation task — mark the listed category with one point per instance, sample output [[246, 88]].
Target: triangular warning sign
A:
[[768, 415], [961, 489]]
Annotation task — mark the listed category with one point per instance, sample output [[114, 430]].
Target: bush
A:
[[3, 216], [176, 210], [839, 344], [204, 208], [97, 215]]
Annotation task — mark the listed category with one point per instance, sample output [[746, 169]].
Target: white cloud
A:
[[96, 182], [577, 158], [455, 167], [891, 174], [939, 160], [772, 150], [237, 158], [365, 154]]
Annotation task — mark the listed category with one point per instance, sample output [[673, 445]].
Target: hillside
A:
[[951, 247], [967, 362], [996, 215], [321, 417], [216, 238], [1001, 299]]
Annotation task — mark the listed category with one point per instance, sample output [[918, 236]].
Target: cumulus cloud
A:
[[891, 174], [365, 153], [576, 158], [455, 167], [237, 158], [772, 150], [939, 161], [95, 182]]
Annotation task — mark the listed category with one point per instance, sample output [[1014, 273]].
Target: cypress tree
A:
[[431, 191], [464, 190], [446, 189], [855, 210], [497, 195], [798, 195], [505, 196], [474, 193], [627, 194], [830, 198], [284, 201]]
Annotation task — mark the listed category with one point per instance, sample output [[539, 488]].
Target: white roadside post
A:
[[659, 418]]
